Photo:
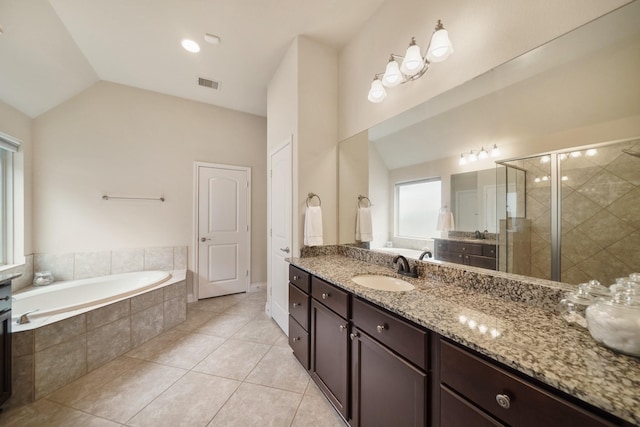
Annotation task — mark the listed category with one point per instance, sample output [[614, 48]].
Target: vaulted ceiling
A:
[[52, 50]]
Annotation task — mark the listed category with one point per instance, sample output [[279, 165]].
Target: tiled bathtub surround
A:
[[524, 336], [26, 274], [52, 356]]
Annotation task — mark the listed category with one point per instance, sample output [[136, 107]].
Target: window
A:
[[417, 207], [8, 146]]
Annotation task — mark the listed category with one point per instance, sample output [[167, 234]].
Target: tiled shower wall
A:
[[83, 265], [600, 215]]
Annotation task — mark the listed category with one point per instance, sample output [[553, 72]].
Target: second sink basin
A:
[[382, 283]]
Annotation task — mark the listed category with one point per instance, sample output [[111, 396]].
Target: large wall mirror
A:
[[580, 91]]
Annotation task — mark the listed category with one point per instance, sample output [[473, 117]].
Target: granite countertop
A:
[[468, 240], [532, 340]]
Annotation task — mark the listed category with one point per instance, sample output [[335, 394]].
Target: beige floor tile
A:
[[259, 330], [47, 413], [192, 401], [125, 396], [268, 407], [195, 319], [316, 411], [246, 308], [155, 345], [280, 369], [258, 296], [216, 305], [223, 325], [234, 359], [87, 384], [282, 341], [188, 351], [312, 389]]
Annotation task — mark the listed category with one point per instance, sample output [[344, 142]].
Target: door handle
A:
[[204, 239], [285, 250]]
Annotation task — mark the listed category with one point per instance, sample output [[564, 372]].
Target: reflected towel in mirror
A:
[[313, 226], [445, 221], [364, 225]]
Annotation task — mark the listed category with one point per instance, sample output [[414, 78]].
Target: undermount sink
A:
[[382, 283]]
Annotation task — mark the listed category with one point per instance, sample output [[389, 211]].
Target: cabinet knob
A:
[[325, 295], [5, 298], [503, 400], [296, 339], [460, 256], [296, 304], [354, 335], [343, 328], [464, 249], [381, 328], [295, 277]]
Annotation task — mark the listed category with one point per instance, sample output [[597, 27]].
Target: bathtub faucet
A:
[[24, 318]]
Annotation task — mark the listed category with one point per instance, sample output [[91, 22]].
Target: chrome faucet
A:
[[404, 268], [24, 318], [427, 253], [479, 235]]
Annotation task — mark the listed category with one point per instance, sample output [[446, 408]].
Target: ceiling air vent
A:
[[208, 83]]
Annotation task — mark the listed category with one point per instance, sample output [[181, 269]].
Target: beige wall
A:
[[117, 140], [18, 125], [484, 36]]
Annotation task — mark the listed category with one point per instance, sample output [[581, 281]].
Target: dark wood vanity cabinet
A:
[[5, 341], [299, 303], [330, 343], [481, 255], [387, 389]]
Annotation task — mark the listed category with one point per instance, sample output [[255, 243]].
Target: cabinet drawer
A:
[[5, 296], [481, 261], [402, 337], [300, 278], [528, 405], [489, 251], [299, 306], [455, 411], [450, 257], [332, 297], [299, 342], [465, 248]]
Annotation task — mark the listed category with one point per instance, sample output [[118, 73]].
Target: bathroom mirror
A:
[[474, 200], [577, 90]]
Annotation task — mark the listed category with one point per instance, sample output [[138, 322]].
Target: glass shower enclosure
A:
[[572, 215]]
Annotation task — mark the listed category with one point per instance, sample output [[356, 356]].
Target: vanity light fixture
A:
[[591, 152], [545, 159], [413, 64], [480, 154]]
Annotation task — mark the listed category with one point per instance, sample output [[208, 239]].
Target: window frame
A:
[[8, 147]]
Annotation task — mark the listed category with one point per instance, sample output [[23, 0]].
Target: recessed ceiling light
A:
[[210, 38], [190, 45]]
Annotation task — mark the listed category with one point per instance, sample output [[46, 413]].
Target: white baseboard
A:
[[258, 287]]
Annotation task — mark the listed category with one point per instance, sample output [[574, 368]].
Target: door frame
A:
[[196, 203], [289, 142]]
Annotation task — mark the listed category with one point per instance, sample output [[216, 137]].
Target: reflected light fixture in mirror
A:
[[413, 66], [480, 154]]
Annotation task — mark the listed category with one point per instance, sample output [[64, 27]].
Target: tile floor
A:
[[228, 364]]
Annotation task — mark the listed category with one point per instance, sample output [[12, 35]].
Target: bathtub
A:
[[50, 303]]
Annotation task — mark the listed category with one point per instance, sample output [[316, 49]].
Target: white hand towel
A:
[[313, 226], [445, 221], [364, 225]]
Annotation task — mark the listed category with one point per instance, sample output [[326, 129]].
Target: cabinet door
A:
[[5, 356], [330, 355], [386, 390]]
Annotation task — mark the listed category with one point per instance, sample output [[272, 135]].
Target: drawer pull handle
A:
[[325, 295], [295, 277], [296, 304], [343, 328], [503, 400], [5, 298], [354, 335], [381, 328], [296, 339]]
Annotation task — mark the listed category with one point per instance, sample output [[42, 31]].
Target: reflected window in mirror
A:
[[417, 204]]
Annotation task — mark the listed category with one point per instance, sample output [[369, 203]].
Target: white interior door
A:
[[466, 215], [223, 230], [280, 234]]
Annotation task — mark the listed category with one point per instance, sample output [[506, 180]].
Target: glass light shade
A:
[[495, 152], [575, 154], [412, 62], [392, 76], [591, 152], [545, 159], [377, 93], [440, 47], [462, 160], [483, 154], [472, 156]]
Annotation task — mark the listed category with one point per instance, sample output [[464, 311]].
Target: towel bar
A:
[[311, 196]]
